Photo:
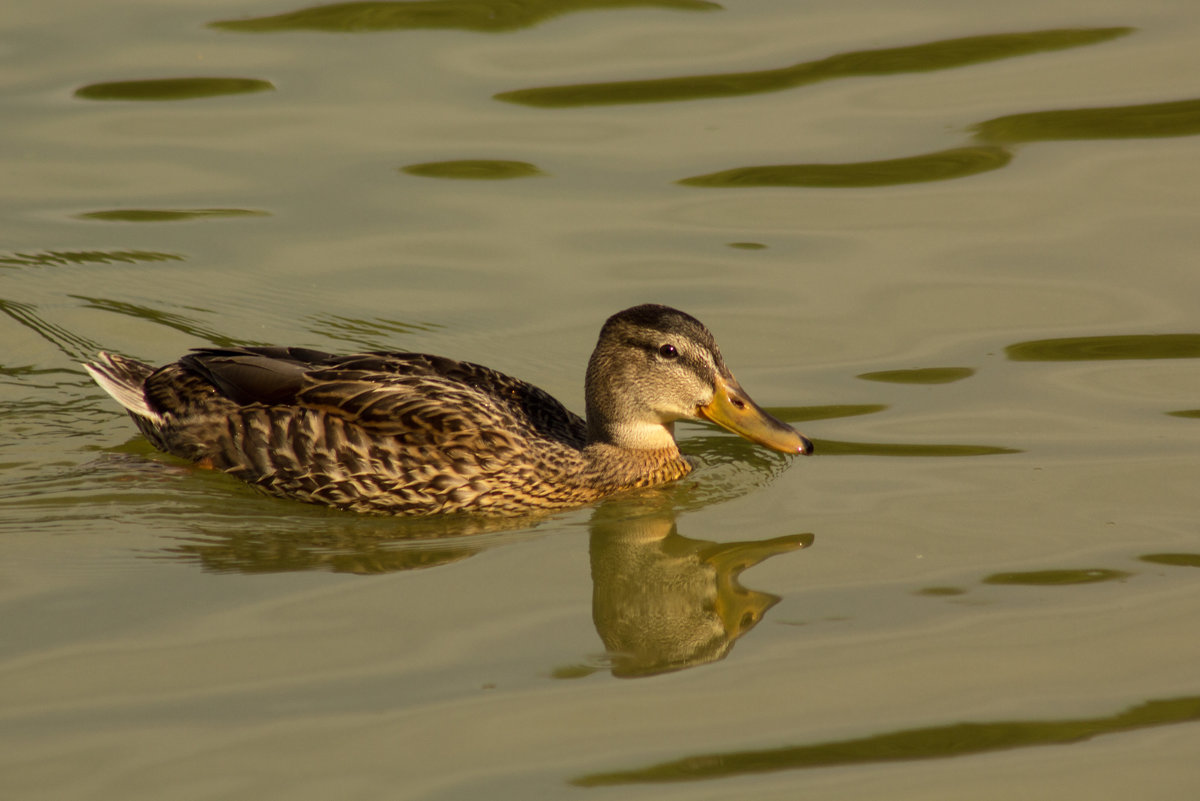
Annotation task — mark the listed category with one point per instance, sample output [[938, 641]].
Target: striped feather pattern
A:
[[394, 433]]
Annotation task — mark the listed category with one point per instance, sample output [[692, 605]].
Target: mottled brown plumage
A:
[[408, 433]]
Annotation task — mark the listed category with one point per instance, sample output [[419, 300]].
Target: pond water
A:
[[955, 244]]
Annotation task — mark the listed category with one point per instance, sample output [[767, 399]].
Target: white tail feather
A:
[[123, 379]]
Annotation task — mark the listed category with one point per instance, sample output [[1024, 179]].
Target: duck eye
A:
[[668, 352]]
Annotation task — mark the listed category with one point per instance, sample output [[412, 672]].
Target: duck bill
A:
[[732, 409]]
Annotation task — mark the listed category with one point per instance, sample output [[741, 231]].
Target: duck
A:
[[416, 434]]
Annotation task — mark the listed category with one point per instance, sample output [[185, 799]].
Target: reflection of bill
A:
[[663, 602]]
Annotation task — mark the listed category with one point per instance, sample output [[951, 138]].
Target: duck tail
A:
[[125, 380]]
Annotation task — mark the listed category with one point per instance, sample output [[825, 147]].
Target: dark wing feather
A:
[[526, 402], [270, 376]]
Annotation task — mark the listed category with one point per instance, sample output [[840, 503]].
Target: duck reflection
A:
[[363, 546], [662, 602], [257, 553]]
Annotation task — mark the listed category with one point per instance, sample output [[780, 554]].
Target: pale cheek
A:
[[667, 417]]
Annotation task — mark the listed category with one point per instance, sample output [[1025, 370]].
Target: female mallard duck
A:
[[408, 433]]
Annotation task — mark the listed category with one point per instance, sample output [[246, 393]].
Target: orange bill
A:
[[732, 409]]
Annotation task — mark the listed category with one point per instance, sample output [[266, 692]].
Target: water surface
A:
[[954, 244]]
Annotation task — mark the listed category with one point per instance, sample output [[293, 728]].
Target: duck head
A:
[[654, 365]]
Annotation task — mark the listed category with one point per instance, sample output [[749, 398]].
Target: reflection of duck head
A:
[[663, 602]]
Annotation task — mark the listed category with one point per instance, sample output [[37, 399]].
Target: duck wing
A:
[[399, 433], [415, 396]]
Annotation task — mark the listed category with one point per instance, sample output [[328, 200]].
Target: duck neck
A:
[[632, 435], [612, 468], [612, 410]]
